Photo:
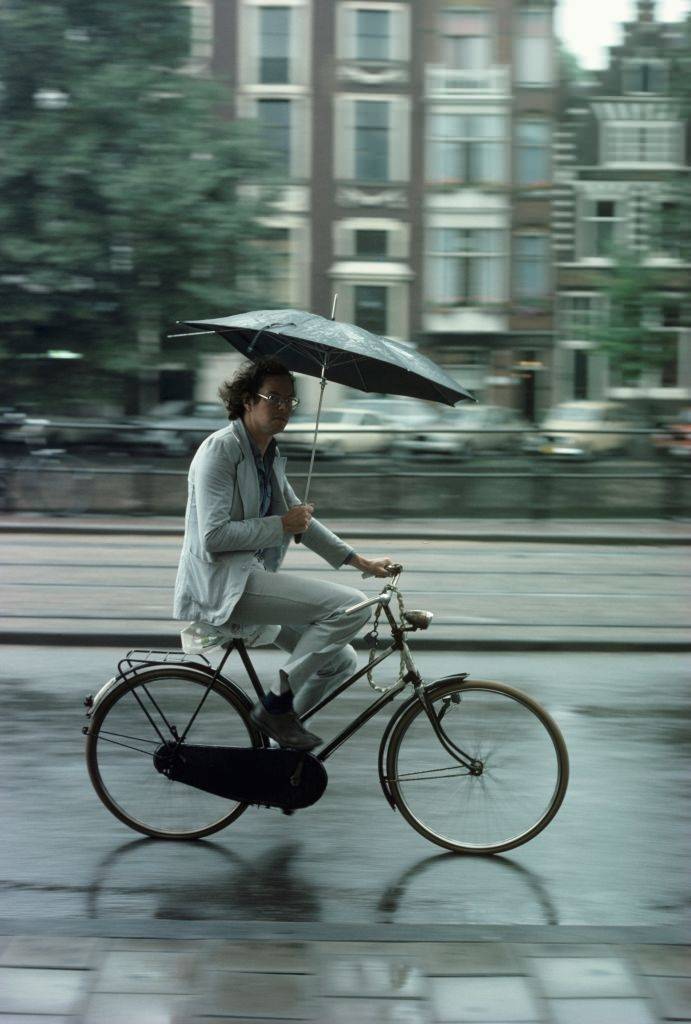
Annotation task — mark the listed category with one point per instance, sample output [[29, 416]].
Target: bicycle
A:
[[473, 766]]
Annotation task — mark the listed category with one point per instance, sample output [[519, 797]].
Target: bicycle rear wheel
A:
[[514, 790], [133, 722]]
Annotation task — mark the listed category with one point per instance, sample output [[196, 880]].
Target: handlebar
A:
[[382, 598]]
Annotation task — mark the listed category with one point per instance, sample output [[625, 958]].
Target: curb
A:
[[383, 532], [282, 931], [171, 641]]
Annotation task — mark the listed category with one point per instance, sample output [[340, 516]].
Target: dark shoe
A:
[[285, 728]]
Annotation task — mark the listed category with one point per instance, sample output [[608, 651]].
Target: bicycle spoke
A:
[[132, 786], [513, 788]]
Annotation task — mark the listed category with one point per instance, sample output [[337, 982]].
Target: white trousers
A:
[[315, 631]]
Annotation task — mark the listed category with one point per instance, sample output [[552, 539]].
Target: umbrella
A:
[[339, 352], [311, 344]]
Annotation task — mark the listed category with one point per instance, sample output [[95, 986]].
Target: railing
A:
[[444, 82], [526, 485]]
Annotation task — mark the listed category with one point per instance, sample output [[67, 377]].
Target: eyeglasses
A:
[[279, 402]]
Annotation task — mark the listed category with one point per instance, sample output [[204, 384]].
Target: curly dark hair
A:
[[247, 382]]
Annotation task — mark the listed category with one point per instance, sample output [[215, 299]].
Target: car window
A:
[[576, 413]]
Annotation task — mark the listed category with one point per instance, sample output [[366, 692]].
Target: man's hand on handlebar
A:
[[297, 519], [379, 567]]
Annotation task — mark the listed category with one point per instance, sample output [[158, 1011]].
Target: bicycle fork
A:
[[474, 766]]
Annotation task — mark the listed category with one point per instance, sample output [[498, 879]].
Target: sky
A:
[[588, 27]]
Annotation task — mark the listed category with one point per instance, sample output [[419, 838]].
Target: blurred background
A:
[[503, 185]]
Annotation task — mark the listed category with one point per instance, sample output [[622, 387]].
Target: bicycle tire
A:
[[125, 786], [486, 711]]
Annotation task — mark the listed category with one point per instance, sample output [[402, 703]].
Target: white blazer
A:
[[223, 528]]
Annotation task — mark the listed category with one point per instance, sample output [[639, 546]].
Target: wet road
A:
[[477, 589], [614, 855]]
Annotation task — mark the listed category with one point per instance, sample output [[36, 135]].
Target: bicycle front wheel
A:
[[517, 779], [135, 721]]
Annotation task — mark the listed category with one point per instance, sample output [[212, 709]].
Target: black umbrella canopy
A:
[[311, 344]]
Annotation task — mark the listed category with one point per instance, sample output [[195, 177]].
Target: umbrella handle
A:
[[322, 382]]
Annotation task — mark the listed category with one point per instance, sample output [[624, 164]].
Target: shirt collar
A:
[[268, 457]]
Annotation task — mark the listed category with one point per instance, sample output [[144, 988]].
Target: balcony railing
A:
[[445, 83]]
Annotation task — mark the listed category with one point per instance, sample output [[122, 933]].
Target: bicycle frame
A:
[[412, 678]]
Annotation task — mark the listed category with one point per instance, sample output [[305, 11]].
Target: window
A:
[[601, 225], [656, 142], [533, 157], [274, 116], [370, 307], [467, 148], [580, 373], [371, 244], [274, 45], [531, 266], [466, 40], [670, 229], [371, 140], [644, 76], [533, 54], [466, 266], [373, 35], [580, 316]]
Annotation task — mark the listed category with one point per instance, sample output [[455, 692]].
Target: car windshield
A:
[[683, 417]]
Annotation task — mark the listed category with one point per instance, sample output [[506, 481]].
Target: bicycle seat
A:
[[417, 618]]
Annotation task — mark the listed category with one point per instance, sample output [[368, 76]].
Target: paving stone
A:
[[374, 1011], [37, 990], [45, 951], [661, 960], [232, 993], [379, 976], [602, 1011], [483, 999], [269, 957], [587, 977], [139, 1008], [673, 997], [151, 971]]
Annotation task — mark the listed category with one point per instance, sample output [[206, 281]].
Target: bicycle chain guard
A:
[[268, 776]]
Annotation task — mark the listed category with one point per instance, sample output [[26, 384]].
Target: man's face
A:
[[266, 418]]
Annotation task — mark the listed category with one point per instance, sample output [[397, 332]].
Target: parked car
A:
[[484, 427], [408, 412], [176, 428], [87, 425], [674, 436], [583, 429], [339, 432], [20, 431]]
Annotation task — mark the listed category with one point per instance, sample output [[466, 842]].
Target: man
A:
[[241, 514]]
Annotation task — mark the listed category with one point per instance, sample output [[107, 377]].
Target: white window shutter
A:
[[399, 139], [344, 138], [248, 45], [401, 34], [345, 32]]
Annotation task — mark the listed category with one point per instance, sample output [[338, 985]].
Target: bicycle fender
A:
[[393, 722], [201, 669]]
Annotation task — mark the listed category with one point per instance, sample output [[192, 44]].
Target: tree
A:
[[629, 331], [125, 201]]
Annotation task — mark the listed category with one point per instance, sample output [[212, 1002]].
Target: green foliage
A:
[[632, 300], [124, 195]]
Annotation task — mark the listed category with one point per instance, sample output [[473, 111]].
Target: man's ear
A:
[[247, 400]]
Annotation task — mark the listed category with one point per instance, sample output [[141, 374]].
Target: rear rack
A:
[[153, 657]]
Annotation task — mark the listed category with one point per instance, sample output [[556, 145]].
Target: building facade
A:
[[622, 170], [414, 142]]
